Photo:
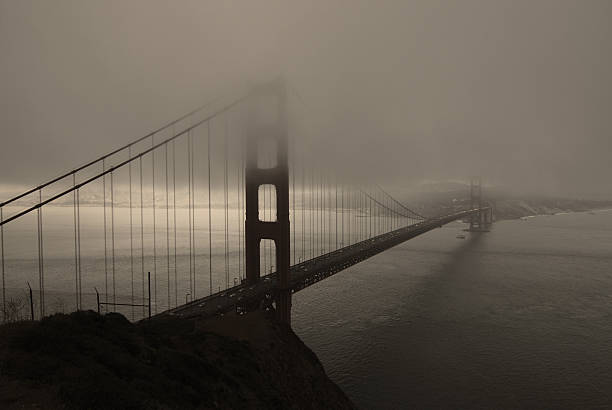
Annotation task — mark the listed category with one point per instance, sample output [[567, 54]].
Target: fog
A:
[[518, 92]]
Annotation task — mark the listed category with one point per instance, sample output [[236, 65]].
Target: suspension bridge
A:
[[223, 209]]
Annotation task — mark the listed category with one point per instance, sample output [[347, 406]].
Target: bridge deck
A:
[[311, 271]]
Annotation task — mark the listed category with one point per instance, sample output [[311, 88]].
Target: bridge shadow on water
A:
[[458, 256], [454, 262], [442, 287]]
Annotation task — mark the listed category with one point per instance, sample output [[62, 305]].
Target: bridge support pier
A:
[[481, 221], [273, 130]]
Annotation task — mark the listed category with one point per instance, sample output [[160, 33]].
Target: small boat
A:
[[460, 236]]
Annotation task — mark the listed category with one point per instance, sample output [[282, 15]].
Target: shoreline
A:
[[562, 212]]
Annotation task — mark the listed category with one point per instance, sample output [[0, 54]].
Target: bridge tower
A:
[[262, 134], [481, 221]]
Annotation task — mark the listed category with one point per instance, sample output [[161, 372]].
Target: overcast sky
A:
[[519, 92]]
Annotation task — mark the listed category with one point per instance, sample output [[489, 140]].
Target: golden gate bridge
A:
[[222, 209]]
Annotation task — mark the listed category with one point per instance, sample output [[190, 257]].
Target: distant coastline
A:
[[505, 206], [517, 209]]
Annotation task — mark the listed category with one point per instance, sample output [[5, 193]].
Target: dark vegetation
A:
[[87, 361]]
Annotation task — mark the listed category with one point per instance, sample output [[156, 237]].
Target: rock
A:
[[84, 360]]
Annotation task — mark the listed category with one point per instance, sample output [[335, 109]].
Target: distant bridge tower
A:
[[481, 221], [261, 134]]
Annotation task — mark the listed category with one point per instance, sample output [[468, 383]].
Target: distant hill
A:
[[436, 198]]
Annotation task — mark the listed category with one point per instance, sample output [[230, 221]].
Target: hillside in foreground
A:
[[84, 360]]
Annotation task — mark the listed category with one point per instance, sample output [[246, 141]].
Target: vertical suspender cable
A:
[[318, 218], [311, 219], [209, 211], [354, 213], [142, 255], [241, 193], [359, 214], [329, 213], [265, 217], [325, 216], [131, 232], [323, 238], [336, 186], [225, 198], [358, 217], [240, 140], [154, 227], [238, 179], [105, 241], [293, 225], [2, 266], [364, 221], [79, 247], [271, 262], [174, 216], [370, 214], [342, 212], [243, 211], [324, 219], [193, 225], [361, 230], [303, 209], [167, 224], [379, 213], [321, 216], [363, 226], [383, 215], [367, 209], [41, 259], [270, 218], [189, 210], [351, 194], [76, 251], [238, 208], [375, 215], [113, 235], [315, 212], [78, 228]]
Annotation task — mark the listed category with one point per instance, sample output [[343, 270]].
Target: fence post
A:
[[31, 302], [149, 278], [97, 299]]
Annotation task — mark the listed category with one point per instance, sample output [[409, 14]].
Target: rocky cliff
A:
[[84, 360]]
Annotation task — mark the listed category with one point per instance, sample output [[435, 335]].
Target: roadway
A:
[[247, 296]]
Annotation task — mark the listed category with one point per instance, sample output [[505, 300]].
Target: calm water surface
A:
[[520, 317]]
